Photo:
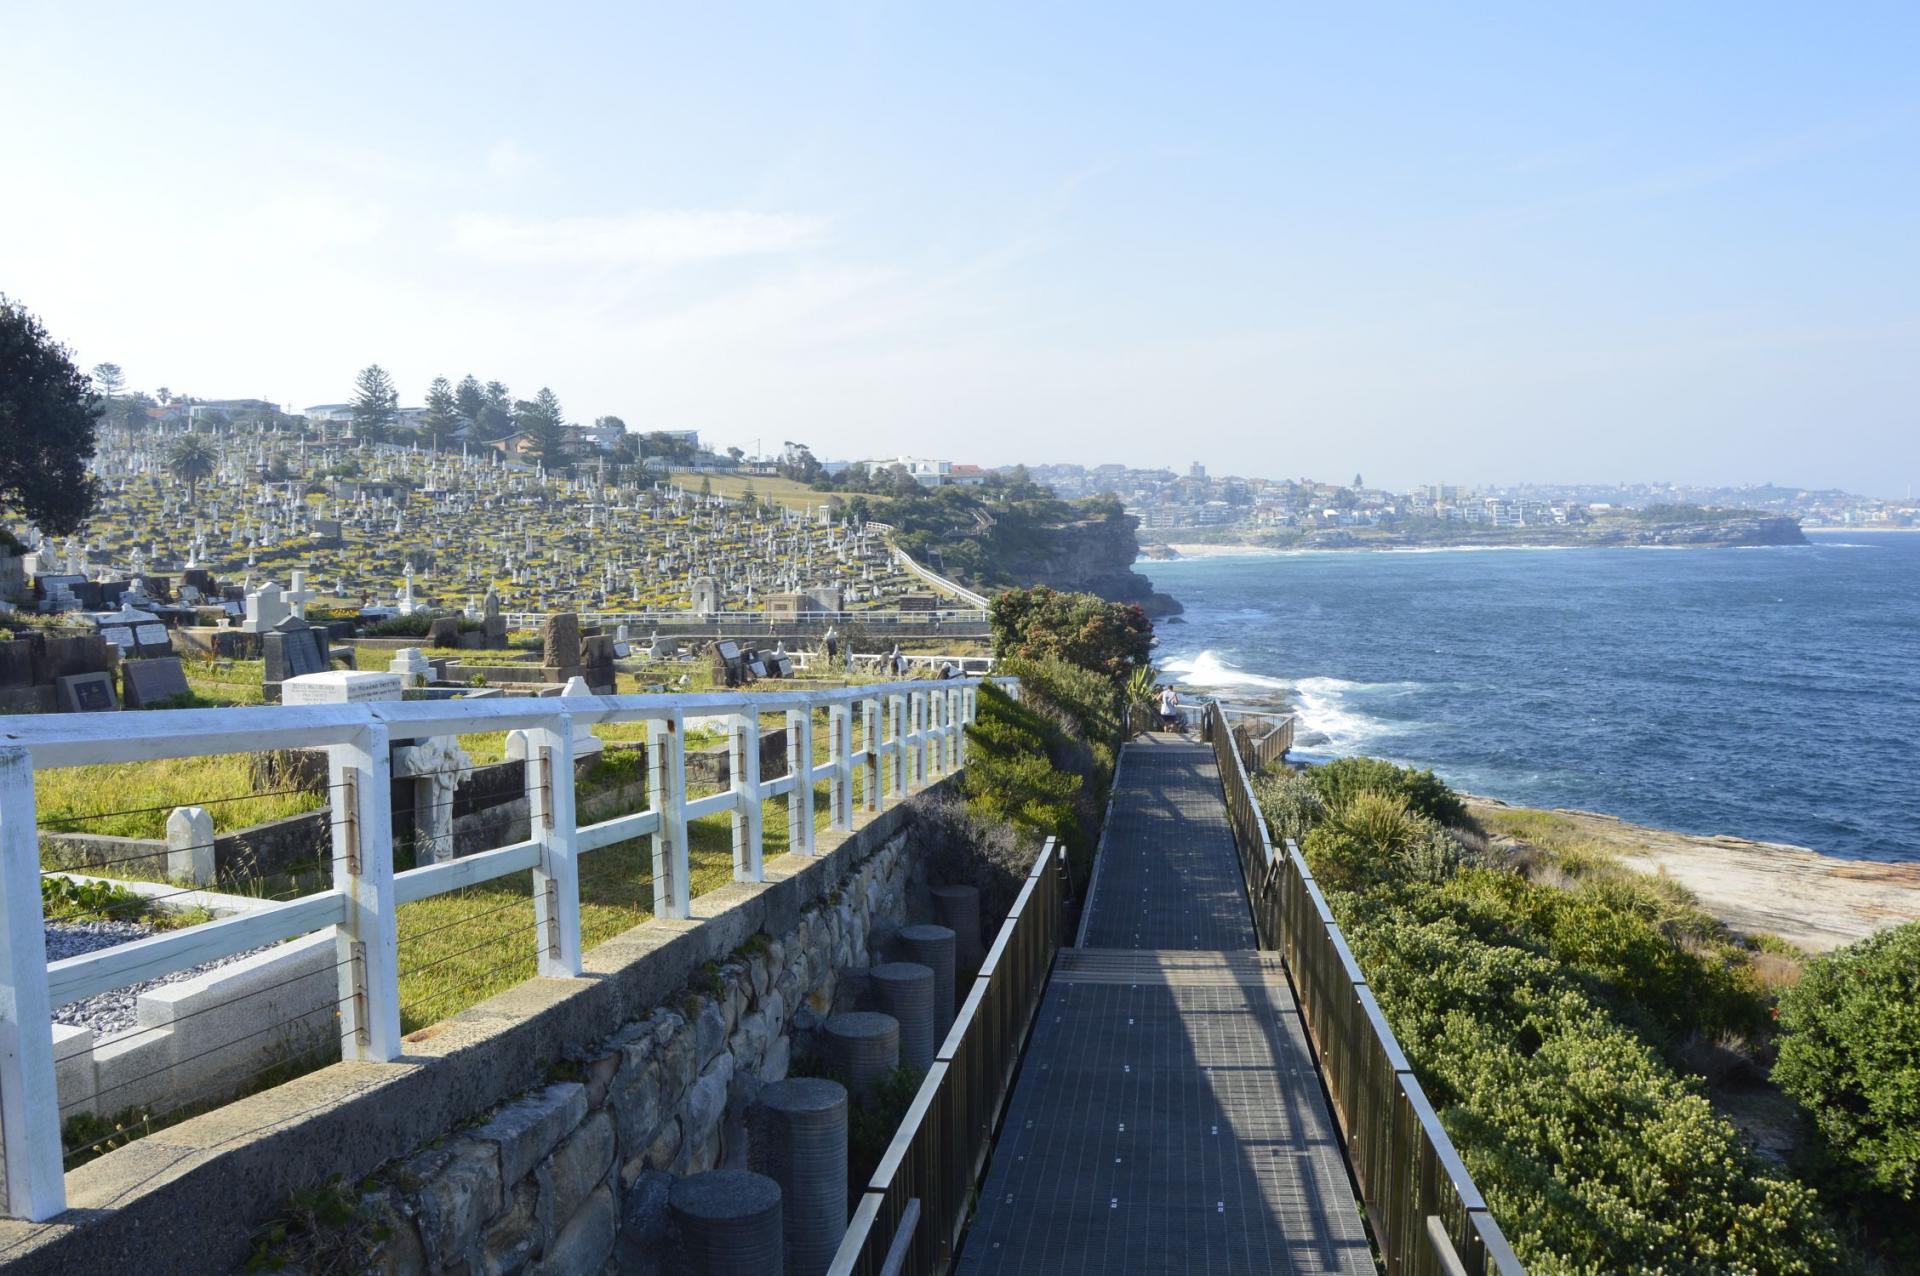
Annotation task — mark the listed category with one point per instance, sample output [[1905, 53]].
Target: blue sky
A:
[[1464, 244]]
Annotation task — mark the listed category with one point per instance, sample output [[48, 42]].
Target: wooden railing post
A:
[[800, 767], [667, 793], [748, 844], [34, 1177], [369, 943], [556, 881]]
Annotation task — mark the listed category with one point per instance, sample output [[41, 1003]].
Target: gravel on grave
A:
[[111, 1011]]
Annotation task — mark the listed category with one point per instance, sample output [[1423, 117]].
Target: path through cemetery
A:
[[1168, 1117]]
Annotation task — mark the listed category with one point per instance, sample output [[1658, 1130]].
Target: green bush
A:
[[1291, 803], [1374, 839], [1850, 1052], [1111, 639], [1427, 794], [1595, 1156]]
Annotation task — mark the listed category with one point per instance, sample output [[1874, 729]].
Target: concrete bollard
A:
[[190, 845], [797, 1136], [932, 946], [730, 1223], [904, 989], [864, 1045], [958, 908]]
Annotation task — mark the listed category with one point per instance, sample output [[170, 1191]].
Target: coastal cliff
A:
[[1031, 538], [1094, 556]]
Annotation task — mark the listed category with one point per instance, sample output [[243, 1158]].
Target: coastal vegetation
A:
[[1570, 1021]]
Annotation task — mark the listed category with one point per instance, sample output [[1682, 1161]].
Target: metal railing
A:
[[916, 1205], [911, 732], [1428, 1217], [939, 582]]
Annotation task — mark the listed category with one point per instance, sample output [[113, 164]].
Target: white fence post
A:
[[29, 1098], [954, 720], [556, 880], [368, 941], [870, 761], [800, 767], [667, 787], [897, 761], [748, 849], [840, 749]]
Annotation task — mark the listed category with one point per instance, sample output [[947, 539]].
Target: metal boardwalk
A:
[[1168, 1117]]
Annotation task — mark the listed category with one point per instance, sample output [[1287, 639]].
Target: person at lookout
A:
[[1170, 709]]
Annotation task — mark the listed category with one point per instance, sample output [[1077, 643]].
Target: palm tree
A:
[[190, 460]]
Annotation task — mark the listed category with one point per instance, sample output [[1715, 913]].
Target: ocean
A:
[[1766, 693]]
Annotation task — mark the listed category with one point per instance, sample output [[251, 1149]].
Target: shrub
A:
[[1593, 1153], [1427, 794], [1850, 1052], [1111, 639], [961, 848], [1374, 839], [1291, 803]]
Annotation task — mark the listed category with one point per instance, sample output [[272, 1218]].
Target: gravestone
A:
[[561, 641], [412, 667], [120, 637], [492, 624], [341, 686], [706, 596], [729, 666], [444, 632], [86, 693], [292, 649], [265, 609], [147, 682]]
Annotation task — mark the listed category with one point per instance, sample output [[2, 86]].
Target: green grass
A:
[[780, 491], [133, 799]]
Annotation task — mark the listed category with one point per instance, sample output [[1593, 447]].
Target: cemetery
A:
[[392, 533]]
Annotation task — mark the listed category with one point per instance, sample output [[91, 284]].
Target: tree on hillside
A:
[[191, 459], [542, 419], [1082, 629], [798, 463], [442, 412], [469, 398], [48, 413], [610, 422], [376, 404], [110, 380], [736, 455], [495, 419]]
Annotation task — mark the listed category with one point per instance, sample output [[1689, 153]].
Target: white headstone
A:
[[341, 686], [410, 663]]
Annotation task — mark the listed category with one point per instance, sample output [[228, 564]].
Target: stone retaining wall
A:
[[573, 1177], [638, 1070]]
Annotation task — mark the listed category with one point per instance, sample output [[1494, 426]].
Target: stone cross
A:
[[298, 595]]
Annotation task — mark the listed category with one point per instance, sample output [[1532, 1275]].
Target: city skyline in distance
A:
[[1482, 249]]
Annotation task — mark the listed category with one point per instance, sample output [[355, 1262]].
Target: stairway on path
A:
[[1168, 1117]]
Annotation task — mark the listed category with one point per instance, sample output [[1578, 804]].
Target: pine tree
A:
[[469, 399], [375, 404], [48, 411]]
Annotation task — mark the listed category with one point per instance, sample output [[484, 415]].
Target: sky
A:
[[1428, 243]]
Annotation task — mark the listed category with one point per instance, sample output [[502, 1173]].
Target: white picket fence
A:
[[909, 734]]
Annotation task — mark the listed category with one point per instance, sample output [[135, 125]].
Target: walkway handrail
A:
[[1411, 1178], [911, 732], [941, 1147], [938, 581]]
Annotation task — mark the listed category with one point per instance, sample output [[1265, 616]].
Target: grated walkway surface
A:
[[1167, 1117]]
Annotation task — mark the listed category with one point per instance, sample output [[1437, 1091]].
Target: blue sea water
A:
[[1767, 693]]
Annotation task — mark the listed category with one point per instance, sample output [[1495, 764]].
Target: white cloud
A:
[[652, 237]]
